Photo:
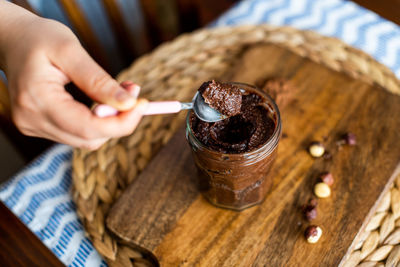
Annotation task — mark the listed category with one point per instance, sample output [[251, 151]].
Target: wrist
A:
[[13, 22]]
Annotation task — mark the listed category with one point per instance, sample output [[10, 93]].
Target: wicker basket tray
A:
[[171, 72]]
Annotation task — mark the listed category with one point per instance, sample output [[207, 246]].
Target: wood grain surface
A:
[[163, 212], [389, 9], [19, 246]]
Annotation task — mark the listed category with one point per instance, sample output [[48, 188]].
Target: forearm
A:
[[12, 19]]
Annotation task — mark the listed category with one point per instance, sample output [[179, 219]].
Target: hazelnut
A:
[[310, 209], [350, 139], [313, 202], [327, 178], [316, 149], [347, 139], [313, 234], [310, 213], [322, 190]]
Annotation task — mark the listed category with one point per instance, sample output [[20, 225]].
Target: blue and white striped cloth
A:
[[344, 20], [40, 194]]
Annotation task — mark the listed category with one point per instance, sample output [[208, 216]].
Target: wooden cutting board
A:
[[162, 211]]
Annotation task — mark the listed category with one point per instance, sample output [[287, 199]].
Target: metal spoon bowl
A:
[[204, 112]]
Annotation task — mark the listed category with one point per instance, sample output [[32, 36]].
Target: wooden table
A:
[[389, 9], [19, 246], [163, 211]]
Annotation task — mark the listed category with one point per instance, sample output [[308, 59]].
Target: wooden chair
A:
[[163, 20], [84, 31]]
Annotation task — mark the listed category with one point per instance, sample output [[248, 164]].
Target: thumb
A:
[[82, 70]]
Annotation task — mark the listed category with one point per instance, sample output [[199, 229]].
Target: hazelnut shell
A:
[[327, 178], [313, 233]]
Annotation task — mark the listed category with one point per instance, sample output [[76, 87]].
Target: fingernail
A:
[[123, 96], [126, 84], [135, 91]]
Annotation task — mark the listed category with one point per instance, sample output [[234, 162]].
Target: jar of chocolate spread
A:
[[234, 156]]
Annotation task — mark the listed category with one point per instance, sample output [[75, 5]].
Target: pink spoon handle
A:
[[163, 107], [153, 108], [103, 111]]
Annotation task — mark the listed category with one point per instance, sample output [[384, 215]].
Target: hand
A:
[[39, 58]]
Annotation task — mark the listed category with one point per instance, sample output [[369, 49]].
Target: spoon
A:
[[201, 109]]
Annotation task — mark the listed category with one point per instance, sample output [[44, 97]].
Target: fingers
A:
[[81, 69], [60, 136], [79, 128], [132, 88], [57, 116], [49, 111], [38, 124], [79, 120], [103, 110], [124, 123]]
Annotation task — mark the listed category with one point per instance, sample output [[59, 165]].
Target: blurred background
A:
[[115, 33]]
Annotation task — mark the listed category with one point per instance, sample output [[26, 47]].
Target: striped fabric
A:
[[344, 20], [40, 194]]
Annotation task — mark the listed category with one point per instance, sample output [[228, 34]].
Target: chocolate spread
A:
[[224, 97], [232, 156], [246, 129]]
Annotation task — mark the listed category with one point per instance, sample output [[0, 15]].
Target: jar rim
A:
[[270, 144]]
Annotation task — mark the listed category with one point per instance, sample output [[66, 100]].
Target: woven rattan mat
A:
[[173, 71]]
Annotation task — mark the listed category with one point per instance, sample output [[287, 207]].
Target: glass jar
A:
[[241, 180]]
